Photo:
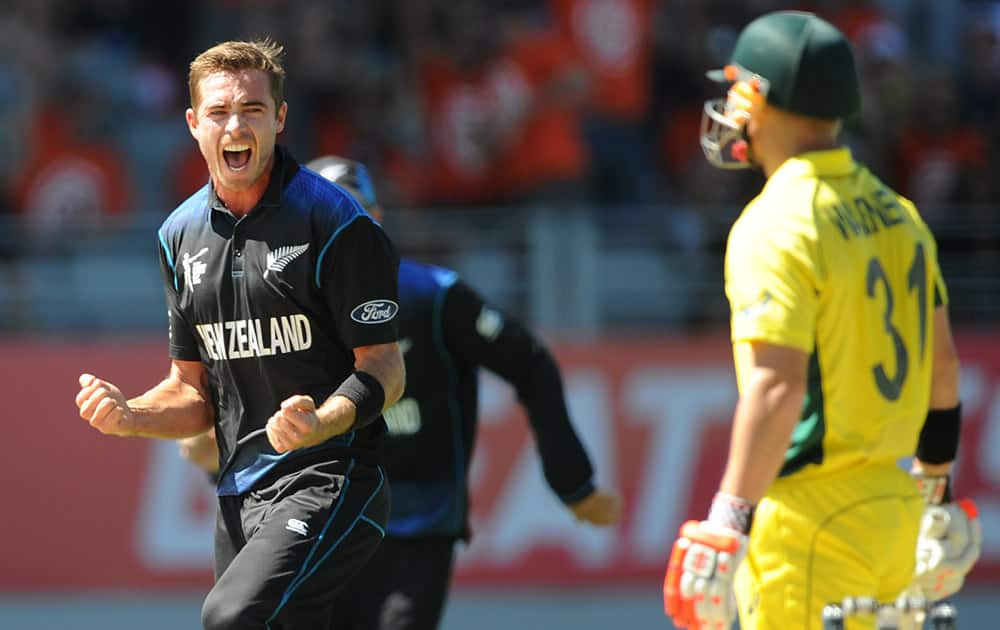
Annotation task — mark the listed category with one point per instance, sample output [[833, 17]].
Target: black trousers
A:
[[285, 549], [403, 587]]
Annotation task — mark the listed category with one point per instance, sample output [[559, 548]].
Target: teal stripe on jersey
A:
[[807, 438], [322, 253], [170, 259]]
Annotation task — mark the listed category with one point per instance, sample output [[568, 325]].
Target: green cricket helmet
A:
[[793, 60]]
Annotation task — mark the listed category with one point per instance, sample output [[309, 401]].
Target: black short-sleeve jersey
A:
[[273, 304]]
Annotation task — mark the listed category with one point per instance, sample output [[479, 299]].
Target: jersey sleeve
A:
[[772, 282], [183, 343], [358, 276], [937, 278], [483, 335], [940, 290]]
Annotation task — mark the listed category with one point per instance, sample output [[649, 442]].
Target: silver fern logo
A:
[[278, 259]]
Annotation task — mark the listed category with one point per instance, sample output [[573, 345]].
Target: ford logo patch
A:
[[375, 312]]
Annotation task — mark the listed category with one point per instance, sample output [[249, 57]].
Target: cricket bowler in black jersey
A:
[[282, 298], [447, 332]]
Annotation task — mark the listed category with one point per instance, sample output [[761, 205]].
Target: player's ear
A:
[[192, 120], [282, 112]]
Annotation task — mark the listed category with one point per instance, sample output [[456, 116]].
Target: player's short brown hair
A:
[[260, 54]]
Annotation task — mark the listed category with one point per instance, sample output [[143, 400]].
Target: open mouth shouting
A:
[[237, 156]]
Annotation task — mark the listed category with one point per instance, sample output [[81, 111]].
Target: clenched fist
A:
[[103, 405], [295, 425]]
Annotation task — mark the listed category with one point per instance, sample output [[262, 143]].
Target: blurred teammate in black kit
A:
[[447, 332]]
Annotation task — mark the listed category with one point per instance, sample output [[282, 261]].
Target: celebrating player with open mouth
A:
[[447, 333], [281, 293]]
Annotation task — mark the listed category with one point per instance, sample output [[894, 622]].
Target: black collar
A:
[[283, 170]]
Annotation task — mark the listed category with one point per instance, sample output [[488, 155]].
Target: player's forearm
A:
[[765, 418], [202, 450], [945, 371], [337, 416], [939, 437], [384, 362], [945, 382], [173, 409], [944, 392]]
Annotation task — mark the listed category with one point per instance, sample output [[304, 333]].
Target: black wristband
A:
[[367, 394], [938, 442]]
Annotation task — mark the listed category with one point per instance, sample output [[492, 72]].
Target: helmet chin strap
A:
[[743, 150], [746, 97]]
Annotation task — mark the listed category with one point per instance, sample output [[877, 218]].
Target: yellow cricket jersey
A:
[[829, 260]]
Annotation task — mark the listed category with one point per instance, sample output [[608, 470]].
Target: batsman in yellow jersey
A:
[[844, 360]]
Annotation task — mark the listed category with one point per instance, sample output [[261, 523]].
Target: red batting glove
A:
[[698, 586]]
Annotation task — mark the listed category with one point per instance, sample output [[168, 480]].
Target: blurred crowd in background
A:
[[476, 103]]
